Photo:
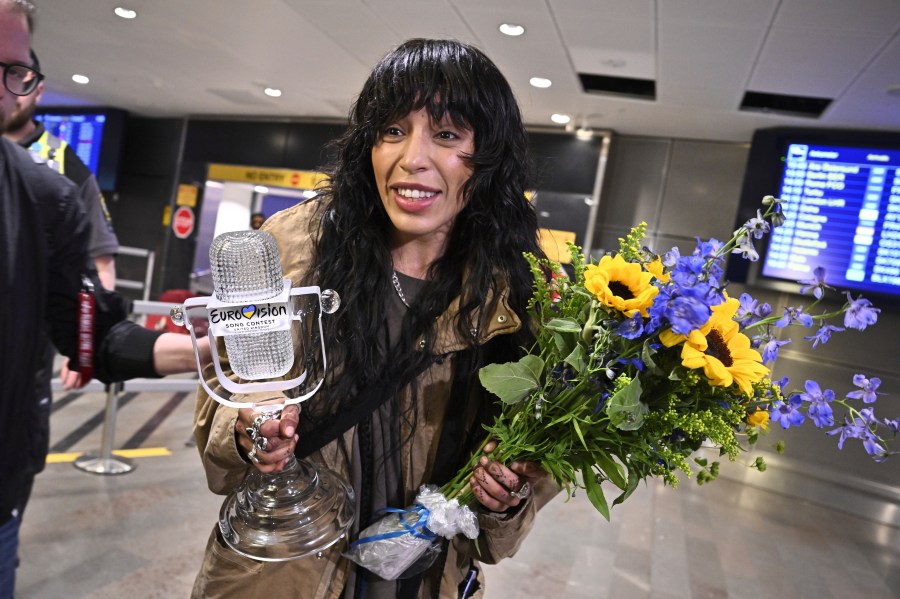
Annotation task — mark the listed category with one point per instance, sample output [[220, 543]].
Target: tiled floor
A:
[[142, 534]]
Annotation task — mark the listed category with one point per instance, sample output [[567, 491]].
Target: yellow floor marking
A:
[[145, 452]]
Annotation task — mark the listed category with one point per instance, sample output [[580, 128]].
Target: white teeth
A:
[[415, 194]]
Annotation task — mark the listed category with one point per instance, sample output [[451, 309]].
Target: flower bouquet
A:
[[639, 360]]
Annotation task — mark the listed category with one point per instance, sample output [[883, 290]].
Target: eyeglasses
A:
[[19, 79]]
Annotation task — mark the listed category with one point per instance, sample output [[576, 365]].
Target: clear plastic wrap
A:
[[393, 544]]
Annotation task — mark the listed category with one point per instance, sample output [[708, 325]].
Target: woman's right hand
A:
[[277, 435]]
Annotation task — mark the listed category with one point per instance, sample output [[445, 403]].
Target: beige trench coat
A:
[[225, 574]]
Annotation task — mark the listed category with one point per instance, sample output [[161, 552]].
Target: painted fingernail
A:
[[289, 431], [483, 461]]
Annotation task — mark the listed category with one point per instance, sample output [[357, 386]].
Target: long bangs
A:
[[439, 76]]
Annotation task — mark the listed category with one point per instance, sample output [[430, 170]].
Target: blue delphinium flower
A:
[[751, 311], [860, 314], [636, 362], [708, 249], [746, 249], [770, 349], [670, 258], [823, 334], [687, 314], [777, 216], [685, 302], [602, 387], [792, 315], [858, 428], [756, 227], [688, 271], [787, 414], [816, 283], [631, 328], [819, 410], [893, 425], [867, 388]]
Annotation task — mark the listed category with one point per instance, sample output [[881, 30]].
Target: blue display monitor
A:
[[841, 192], [94, 134], [84, 132], [842, 209]]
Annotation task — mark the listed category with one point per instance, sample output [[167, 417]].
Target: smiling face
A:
[[420, 171]]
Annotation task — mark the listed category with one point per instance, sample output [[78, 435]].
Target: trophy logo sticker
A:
[[249, 318]]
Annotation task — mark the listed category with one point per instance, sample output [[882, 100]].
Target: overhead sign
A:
[[183, 222], [275, 177]]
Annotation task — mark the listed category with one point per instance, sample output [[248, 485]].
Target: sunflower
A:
[[622, 285], [723, 351], [657, 269], [759, 418]]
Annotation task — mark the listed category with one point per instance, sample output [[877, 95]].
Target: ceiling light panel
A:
[[125, 13]]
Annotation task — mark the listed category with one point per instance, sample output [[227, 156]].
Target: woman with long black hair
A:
[[421, 228]]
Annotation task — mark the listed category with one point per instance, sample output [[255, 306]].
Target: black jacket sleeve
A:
[[122, 349]]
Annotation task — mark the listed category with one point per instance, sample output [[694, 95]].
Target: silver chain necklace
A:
[[397, 287]]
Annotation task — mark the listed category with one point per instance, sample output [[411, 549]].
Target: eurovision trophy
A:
[[272, 333]]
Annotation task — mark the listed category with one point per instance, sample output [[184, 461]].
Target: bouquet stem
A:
[[459, 488]]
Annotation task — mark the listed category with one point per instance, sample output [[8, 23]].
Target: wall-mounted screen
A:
[[94, 134], [841, 192], [842, 209]]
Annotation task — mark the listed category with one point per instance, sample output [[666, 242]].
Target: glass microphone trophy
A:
[[264, 323]]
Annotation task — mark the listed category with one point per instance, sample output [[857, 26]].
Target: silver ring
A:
[[253, 429], [522, 493], [262, 443], [252, 455]]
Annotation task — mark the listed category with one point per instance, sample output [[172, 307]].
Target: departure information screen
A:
[[842, 209], [83, 132]]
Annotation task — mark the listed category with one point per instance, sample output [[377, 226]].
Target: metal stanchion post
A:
[[105, 463]]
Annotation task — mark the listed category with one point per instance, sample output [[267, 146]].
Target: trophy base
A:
[[290, 514]]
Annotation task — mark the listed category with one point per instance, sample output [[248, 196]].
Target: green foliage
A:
[[513, 381], [579, 405], [630, 247]]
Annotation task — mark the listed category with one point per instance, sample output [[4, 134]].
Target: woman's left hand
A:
[[499, 487]]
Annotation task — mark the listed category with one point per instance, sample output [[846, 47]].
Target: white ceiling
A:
[[214, 57]]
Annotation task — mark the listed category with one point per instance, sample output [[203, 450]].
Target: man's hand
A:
[[70, 379]]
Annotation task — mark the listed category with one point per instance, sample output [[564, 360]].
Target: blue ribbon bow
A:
[[417, 529]]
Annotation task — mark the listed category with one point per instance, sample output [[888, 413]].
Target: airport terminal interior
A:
[[142, 534], [679, 114]]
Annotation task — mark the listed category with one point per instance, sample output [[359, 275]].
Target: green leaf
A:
[[647, 357], [577, 360], [594, 491], [626, 412], [633, 479], [563, 325], [611, 469], [512, 381], [562, 343], [580, 435]]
